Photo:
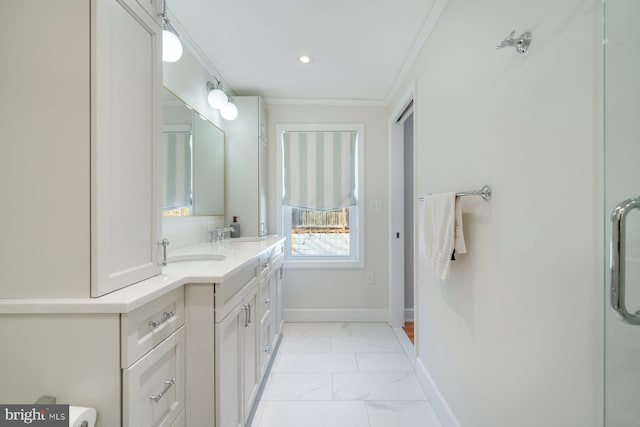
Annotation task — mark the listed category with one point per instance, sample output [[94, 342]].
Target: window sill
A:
[[297, 264]]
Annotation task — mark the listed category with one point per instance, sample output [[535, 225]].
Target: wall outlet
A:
[[370, 277]]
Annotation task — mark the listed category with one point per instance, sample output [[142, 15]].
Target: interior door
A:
[[622, 197]]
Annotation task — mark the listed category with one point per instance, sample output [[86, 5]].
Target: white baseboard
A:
[[408, 348], [440, 405], [337, 315], [408, 315]]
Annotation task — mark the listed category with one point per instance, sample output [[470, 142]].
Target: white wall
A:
[[513, 337], [341, 294]]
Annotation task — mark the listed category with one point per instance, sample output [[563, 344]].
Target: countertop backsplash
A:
[[188, 231]]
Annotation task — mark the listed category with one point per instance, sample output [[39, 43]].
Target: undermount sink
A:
[[196, 257], [247, 239]]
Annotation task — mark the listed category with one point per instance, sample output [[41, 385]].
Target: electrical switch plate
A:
[[375, 205]]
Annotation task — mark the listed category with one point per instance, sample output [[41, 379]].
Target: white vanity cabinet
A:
[[130, 367], [153, 345], [236, 362], [232, 333], [126, 127], [78, 169], [222, 349], [154, 386], [270, 305], [246, 180]]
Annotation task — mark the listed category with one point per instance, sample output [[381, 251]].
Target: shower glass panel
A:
[[622, 153]]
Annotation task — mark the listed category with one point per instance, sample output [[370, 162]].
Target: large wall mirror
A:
[[193, 160]]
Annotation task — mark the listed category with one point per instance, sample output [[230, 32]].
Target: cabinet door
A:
[[229, 361], [250, 352], [265, 348], [268, 323], [280, 299], [274, 278], [126, 89]]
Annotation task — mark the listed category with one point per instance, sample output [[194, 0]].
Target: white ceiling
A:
[[360, 48]]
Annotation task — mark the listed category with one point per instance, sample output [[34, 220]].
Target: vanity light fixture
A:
[[171, 44], [217, 98], [229, 111]]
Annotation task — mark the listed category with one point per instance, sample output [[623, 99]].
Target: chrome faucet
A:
[[219, 234]]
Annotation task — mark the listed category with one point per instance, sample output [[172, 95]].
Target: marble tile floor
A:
[[342, 375]]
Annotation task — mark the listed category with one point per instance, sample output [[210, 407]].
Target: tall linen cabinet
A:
[[246, 179], [81, 83]]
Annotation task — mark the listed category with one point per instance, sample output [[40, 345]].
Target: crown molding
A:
[[327, 102], [425, 31]]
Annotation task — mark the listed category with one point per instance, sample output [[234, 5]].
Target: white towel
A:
[[442, 227], [458, 232]]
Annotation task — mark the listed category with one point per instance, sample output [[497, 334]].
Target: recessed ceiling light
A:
[[305, 59]]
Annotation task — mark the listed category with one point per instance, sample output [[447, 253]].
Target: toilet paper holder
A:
[[51, 400], [46, 400]]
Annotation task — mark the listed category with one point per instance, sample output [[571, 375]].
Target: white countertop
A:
[[237, 253]]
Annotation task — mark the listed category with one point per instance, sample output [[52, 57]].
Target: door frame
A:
[[396, 210]]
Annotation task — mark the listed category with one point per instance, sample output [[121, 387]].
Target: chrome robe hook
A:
[[521, 43]]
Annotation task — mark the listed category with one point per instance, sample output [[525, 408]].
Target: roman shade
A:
[[177, 183], [320, 169]]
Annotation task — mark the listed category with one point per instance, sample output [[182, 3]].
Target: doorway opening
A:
[[409, 308], [402, 312]]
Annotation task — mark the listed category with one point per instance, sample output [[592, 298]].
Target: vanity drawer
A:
[[154, 386], [278, 252], [265, 261], [146, 327]]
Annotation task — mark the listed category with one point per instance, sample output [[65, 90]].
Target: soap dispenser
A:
[[235, 227]]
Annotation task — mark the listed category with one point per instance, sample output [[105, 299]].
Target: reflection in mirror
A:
[[193, 161]]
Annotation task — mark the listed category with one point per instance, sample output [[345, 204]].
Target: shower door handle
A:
[[617, 260]]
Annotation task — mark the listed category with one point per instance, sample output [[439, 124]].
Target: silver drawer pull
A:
[[167, 385], [165, 317]]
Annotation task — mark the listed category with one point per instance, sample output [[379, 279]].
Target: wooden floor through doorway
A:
[[408, 329]]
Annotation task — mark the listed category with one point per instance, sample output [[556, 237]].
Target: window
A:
[[321, 174]]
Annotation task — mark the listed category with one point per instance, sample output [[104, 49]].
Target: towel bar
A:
[[484, 192]]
